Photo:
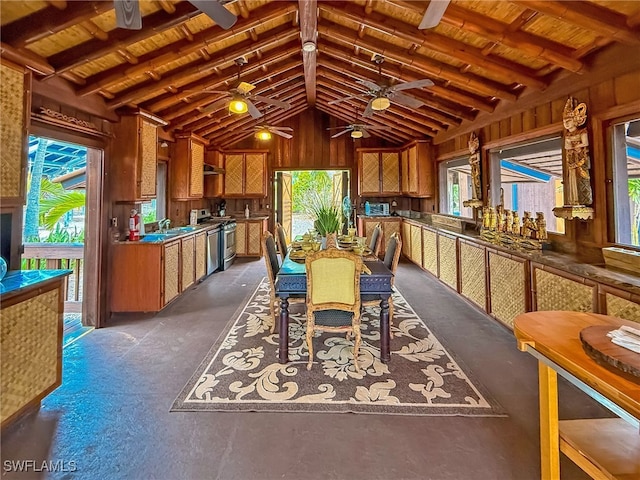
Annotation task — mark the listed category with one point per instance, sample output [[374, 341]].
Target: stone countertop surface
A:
[[16, 281], [252, 218], [174, 235], [568, 263], [382, 218]]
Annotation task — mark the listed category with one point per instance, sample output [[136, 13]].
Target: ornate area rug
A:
[[241, 371]]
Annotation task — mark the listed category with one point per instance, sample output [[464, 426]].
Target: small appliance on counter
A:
[[222, 208], [193, 217], [378, 210]]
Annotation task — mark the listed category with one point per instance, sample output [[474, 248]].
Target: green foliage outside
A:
[[306, 182], [634, 196]]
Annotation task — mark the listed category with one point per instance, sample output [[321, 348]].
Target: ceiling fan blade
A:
[[217, 105], [433, 14], [373, 127], [244, 88], [416, 84], [282, 134], [283, 129], [365, 134], [214, 9], [406, 100], [128, 14], [368, 112], [339, 133], [277, 103], [253, 111], [373, 86], [333, 102]]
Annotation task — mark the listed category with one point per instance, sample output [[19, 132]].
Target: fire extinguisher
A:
[[134, 225]]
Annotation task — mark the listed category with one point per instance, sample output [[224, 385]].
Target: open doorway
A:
[[57, 227], [295, 190]]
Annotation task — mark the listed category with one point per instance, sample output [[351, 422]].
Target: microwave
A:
[[378, 210]]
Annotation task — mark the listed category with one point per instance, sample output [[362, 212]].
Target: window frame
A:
[[443, 184]]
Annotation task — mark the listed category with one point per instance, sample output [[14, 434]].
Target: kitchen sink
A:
[[181, 229], [158, 237]]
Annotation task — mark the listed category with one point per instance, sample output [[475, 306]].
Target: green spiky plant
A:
[[327, 213]]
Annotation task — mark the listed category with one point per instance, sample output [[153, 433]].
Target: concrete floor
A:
[[111, 415]]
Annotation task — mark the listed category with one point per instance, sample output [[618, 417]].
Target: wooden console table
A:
[[603, 448]]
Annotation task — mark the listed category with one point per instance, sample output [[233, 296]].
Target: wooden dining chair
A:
[[333, 296], [281, 237], [376, 240], [391, 259], [273, 267]]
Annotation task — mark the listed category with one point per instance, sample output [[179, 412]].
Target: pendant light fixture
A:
[[238, 105], [356, 134], [380, 103], [263, 135]]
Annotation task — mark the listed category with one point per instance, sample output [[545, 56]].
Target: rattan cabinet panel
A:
[[430, 251], [188, 262], [245, 174], [472, 273], [389, 227], [13, 131], [369, 173], [171, 271], [406, 240], [448, 261], [507, 287], [197, 170], [255, 172], [31, 351], [378, 172], [390, 172], [620, 307], [149, 159], [555, 292], [248, 237], [201, 255], [241, 238], [233, 175], [416, 244]]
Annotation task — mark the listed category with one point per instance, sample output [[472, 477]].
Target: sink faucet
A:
[[163, 225]]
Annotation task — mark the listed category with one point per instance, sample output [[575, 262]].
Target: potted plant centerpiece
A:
[[327, 214]]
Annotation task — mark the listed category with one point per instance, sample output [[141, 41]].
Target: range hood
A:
[[212, 170]]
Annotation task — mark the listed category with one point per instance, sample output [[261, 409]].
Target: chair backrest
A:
[[376, 239], [333, 281], [270, 256], [392, 253], [282, 240]]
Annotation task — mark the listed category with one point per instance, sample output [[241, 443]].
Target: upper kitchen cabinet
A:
[[187, 168], [213, 174], [245, 174], [378, 172], [15, 82], [134, 159], [417, 170]]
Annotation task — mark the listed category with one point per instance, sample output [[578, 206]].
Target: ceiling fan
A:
[[264, 131], [358, 130], [433, 14], [240, 97], [383, 93], [128, 13]]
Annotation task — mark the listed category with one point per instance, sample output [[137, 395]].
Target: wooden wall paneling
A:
[[543, 115], [494, 131], [557, 108], [603, 96], [505, 127], [626, 88], [516, 123], [528, 119]]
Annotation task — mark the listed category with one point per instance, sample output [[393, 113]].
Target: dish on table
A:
[[297, 255]]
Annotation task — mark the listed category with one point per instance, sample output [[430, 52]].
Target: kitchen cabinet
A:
[[188, 262], [245, 174], [170, 272], [556, 290], [134, 158], [378, 172], [390, 225], [187, 168], [406, 239], [417, 170], [214, 179], [15, 82], [249, 235], [201, 255]]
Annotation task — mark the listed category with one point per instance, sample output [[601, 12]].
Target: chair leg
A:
[[390, 316], [356, 346], [275, 310], [310, 347]]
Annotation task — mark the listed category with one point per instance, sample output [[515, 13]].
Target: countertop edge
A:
[[9, 288]]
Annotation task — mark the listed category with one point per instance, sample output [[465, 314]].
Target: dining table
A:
[[291, 280]]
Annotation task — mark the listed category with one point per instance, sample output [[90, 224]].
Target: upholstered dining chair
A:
[[273, 267], [376, 240], [282, 241], [391, 259], [333, 296]]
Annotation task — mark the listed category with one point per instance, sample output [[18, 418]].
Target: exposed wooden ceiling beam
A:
[[430, 67], [501, 69], [589, 16], [308, 33], [182, 48], [27, 59]]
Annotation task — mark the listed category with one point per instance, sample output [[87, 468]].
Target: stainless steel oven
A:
[[228, 244], [213, 249]]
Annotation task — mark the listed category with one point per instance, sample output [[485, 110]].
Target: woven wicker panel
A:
[[406, 239], [241, 238], [254, 235], [472, 274], [416, 244], [448, 261], [188, 262], [554, 292], [11, 130], [388, 229], [149, 140], [30, 346], [507, 282], [196, 183], [171, 265], [368, 229], [233, 175], [429, 251], [390, 172], [619, 307], [255, 174], [413, 169], [201, 256], [370, 181]]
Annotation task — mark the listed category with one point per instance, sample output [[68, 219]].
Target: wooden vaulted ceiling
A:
[[481, 53]]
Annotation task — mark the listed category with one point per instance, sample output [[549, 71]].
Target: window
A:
[[455, 180], [626, 175], [529, 177], [156, 209]]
